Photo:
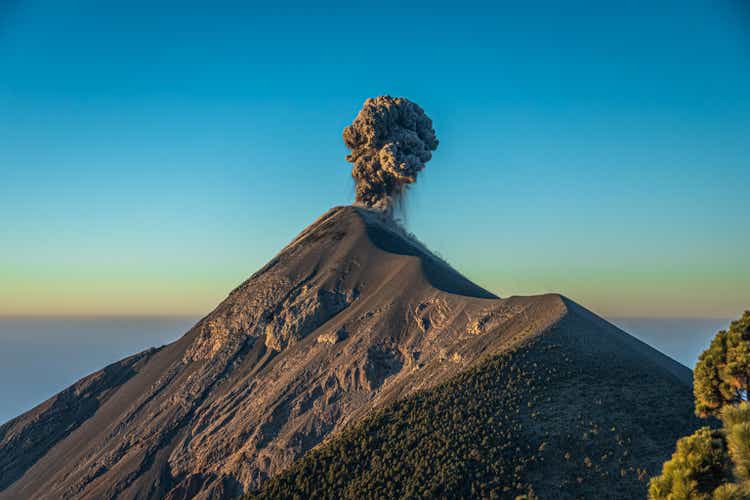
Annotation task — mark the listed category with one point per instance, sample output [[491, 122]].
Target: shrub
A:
[[698, 467]]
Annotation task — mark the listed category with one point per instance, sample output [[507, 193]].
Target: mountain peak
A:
[[352, 316]]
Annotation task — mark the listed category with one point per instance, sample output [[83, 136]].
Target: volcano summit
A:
[[354, 364], [351, 317]]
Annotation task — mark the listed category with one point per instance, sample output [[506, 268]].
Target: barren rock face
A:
[[431, 315], [492, 317], [332, 337], [349, 317], [303, 312], [26, 438]]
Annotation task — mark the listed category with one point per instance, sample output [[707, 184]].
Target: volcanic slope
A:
[[564, 414], [349, 319]]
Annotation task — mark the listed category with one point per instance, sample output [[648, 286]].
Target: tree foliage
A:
[[736, 420], [711, 463], [722, 375], [715, 463], [698, 467]]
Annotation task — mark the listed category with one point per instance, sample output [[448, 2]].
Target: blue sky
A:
[[154, 154]]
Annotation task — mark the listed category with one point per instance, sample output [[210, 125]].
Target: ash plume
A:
[[391, 140]]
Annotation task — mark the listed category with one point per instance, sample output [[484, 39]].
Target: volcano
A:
[[348, 323]]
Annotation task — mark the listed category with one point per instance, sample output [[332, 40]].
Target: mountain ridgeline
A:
[[358, 364]]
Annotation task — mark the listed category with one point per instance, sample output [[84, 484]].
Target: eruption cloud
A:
[[391, 140]]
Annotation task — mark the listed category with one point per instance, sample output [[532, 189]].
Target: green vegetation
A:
[[715, 463], [697, 468], [722, 375], [548, 420], [711, 463]]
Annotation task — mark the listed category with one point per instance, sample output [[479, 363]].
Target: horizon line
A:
[[199, 315]]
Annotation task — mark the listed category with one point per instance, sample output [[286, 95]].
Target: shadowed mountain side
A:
[[436, 271], [353, 315], [629, 345]]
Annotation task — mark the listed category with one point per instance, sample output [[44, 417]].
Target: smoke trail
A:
[[391, 140]]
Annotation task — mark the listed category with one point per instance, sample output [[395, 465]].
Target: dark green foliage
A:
[[736, 420], [711, 463], [542, 421], [722, 375], [699, 466]]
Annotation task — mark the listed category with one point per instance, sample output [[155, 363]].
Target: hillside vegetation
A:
[[549, 419]]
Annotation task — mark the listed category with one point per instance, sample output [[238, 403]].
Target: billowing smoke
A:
[[391, 141]]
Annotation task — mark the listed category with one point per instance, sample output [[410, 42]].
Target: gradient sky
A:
[[154, 154]]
